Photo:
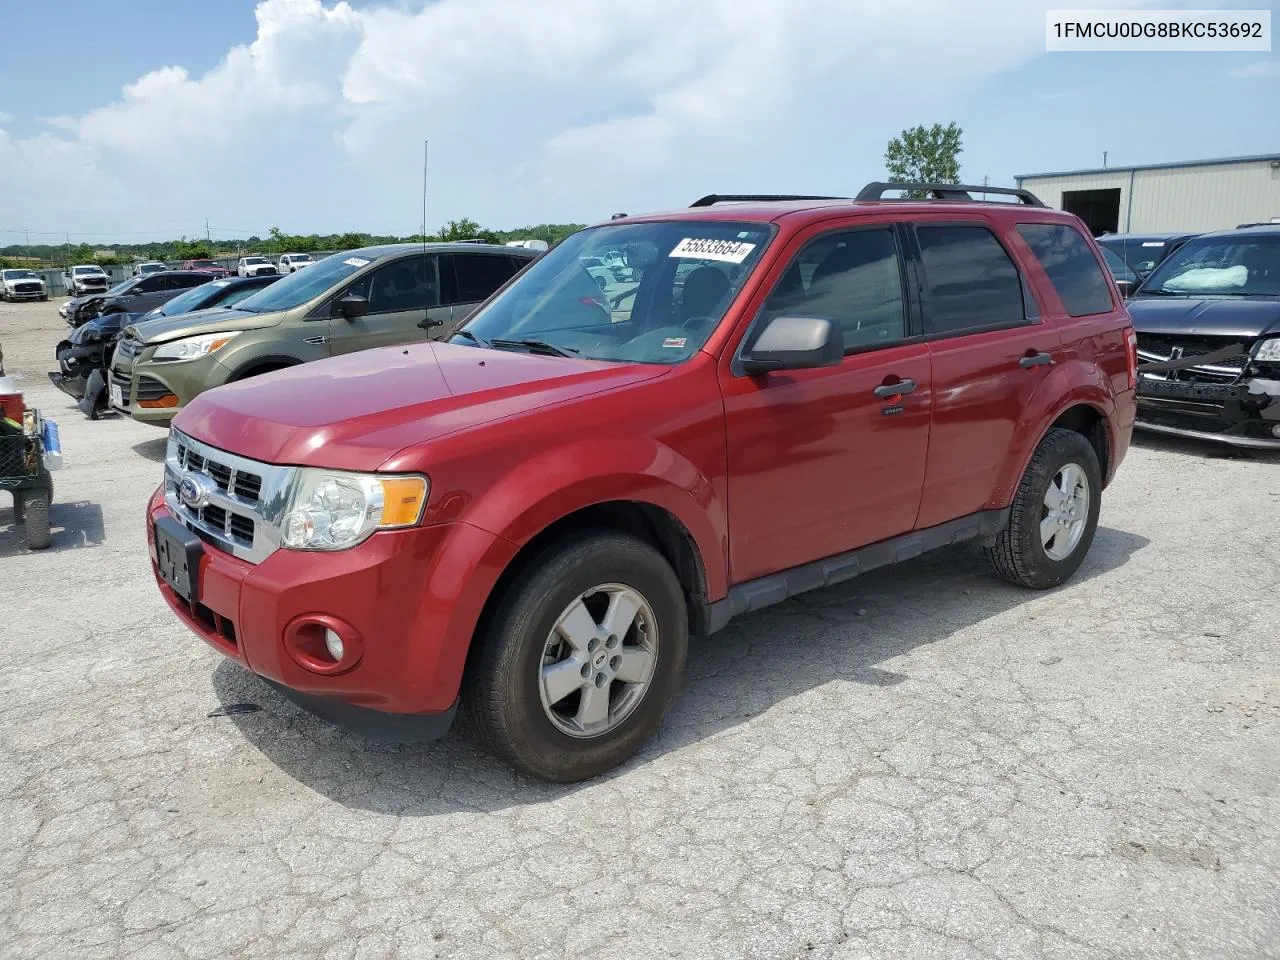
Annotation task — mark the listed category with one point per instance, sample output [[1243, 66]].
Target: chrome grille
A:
[[239, 500], [1160, 348]]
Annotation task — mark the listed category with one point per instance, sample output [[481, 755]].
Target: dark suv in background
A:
[[1208, 325], [1143, 252], [137, 295]]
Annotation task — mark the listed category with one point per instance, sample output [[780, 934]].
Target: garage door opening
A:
[[1099, 209]]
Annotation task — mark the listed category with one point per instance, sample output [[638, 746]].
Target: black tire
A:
[[1018, 555], [501, 690], [35, 516]]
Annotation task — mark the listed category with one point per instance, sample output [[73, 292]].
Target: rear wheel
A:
[[1054, 514], [580, 662]]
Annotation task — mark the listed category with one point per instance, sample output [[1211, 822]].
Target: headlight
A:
[[192, 348], [1269, 350], [334, 510]]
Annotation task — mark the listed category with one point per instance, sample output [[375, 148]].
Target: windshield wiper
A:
[[535, 346], [471, 336]]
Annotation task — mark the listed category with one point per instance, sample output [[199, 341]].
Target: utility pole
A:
[[1104, 159], [984, 186], [208, 239]]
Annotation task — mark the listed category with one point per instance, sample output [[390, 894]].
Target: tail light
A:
[[1131, 348]]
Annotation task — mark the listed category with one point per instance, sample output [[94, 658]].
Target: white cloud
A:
[[1260, 69], [535, 109]]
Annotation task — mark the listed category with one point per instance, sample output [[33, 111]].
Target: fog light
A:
[[333, 643], [1275, 431]]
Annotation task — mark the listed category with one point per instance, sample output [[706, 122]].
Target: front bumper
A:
[[26, 294], [156, 392], [1243, 414], [409, 600]]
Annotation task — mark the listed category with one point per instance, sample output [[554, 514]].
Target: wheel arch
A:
[[1075, 397], [262, 365]]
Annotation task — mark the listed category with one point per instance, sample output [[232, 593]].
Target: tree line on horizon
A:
[[275, 242]]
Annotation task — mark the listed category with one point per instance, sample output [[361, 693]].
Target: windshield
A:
[[299, 258], [203, 263], [256, 260], [152, 268], [297, 288], [21, 275], [681, 278], [82, 271], [193, 299], [1115, 263], [120, 287], [1220, 266]]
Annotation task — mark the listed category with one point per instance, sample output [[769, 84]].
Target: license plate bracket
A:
[[178, 552]]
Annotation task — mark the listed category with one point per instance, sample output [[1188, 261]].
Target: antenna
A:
[[425, 144], [1104, 159]]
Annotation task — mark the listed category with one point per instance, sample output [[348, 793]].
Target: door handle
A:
[[886, 390], [1035, 360]]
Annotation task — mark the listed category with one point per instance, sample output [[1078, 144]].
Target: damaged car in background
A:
[[134, 296], [1208, 327], [85, 356]]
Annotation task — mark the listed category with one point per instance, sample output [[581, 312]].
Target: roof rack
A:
[[712, 199], [945, 191], [1260, 223]]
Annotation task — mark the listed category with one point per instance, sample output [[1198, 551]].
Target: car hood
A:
[[209, 320], [1226, 316], [357, 411]]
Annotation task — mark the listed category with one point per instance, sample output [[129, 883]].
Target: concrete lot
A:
[[924, 762]]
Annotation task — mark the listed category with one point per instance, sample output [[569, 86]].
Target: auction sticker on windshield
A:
[[728, 251], [355, 261]]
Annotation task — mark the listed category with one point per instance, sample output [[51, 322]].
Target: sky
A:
[[144, 120]]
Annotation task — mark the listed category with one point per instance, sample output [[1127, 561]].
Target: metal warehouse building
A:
[[1195, 196]]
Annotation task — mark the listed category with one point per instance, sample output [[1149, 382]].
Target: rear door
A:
[[467, 280], [826, 460], [400, 294], [990, 350]]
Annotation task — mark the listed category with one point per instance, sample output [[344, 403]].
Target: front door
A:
[[826, 460], [400, 295], [990, 352]]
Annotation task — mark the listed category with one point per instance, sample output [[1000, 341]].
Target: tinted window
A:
[[478, 275], [401, 285], [149, 285], [971, 280], [238, 294], [185, 281], [1072, 268], [853, 279]]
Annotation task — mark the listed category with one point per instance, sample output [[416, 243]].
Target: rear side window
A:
[[478, 275], [971, 280], [1072, 268], [852, 279]]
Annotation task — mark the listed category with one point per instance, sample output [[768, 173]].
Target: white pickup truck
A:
[[293, 262], [85, 278]]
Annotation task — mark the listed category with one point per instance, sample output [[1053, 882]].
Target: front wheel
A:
[[1054, 514], [582, 658]]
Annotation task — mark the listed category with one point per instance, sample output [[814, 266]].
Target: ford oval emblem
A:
[[191, 493]]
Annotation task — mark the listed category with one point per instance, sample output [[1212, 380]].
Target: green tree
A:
[[925, 155]]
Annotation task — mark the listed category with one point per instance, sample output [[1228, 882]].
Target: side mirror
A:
[[795, 343], [353, 306]]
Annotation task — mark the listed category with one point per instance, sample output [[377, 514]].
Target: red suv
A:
[[532, 516]]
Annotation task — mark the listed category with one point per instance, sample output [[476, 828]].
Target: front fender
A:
[[1067, 385], [556, 482]]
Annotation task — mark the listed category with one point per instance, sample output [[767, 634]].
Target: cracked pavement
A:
[[923, 762]]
